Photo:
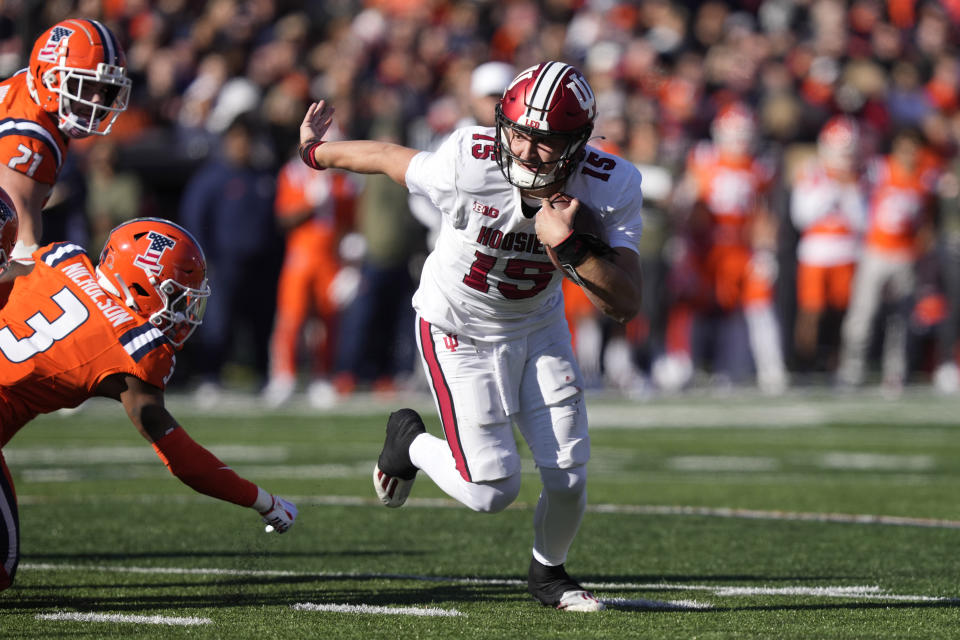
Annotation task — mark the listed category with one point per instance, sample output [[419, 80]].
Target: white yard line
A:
[[627, 509], [862, 592], [758, 514], [657, 605], [76, 616], [857, 592], [797, 408], [372, 609]]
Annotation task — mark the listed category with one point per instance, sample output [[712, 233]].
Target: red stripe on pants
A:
[[448, 415]]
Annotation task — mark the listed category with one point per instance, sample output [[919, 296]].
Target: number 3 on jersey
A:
[[45, 331]]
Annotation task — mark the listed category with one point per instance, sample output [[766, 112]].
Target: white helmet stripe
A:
[[546, 87]]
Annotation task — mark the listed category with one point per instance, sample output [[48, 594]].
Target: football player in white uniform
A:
[[492, 335]]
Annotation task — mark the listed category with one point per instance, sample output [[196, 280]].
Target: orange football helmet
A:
[[734, 129], [839, 143], [77, 70], [158, 270], [9, 228]]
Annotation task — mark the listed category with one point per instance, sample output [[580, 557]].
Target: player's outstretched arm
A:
[[190, 462], [358, 156], [28, 196]]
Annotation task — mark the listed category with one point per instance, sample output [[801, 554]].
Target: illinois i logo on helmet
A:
[[149, 261], [50, 51]]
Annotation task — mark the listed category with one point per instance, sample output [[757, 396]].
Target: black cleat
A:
[[552, 587], [393, 475]]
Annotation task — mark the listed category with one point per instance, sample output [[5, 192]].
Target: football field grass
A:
[[808, 516]]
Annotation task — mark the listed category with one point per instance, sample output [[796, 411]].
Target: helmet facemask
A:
[[89, 101], [519, 172], [182, 311]]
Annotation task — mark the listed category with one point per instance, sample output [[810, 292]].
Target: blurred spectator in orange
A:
[[828, 207], [899, 229], [313, 208], [726, 186]]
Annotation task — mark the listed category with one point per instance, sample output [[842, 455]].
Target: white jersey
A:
[[488, 276], [830, 216]]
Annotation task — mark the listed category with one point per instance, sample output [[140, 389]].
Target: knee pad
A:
[[494, 496], [572, 481]]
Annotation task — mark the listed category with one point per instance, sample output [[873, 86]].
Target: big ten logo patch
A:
[[486, 210]]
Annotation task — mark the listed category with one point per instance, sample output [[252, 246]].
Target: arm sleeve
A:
[[202, 471]]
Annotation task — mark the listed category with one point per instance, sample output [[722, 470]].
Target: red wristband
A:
[[306, 153]]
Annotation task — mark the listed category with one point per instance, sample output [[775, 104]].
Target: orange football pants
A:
[[310, 264]]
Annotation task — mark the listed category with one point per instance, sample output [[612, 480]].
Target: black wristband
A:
[[578, 246], [306, 153], [572, 251]]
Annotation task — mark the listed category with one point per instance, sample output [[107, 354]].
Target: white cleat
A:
[[391, 490], [394, 473], [582, 601]]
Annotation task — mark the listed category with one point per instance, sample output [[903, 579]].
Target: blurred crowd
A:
[[801, 178]]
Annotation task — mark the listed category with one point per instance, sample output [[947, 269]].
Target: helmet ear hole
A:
[[136, 286]]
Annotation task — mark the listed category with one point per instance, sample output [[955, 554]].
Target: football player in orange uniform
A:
[[308, 205], [75, 86], [70, 331], [729, 185], [900, 224], [828, 207]]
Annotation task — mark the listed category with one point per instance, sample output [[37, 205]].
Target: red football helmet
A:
[[77, 70], [839, 143], [734, 129], [158, 270], [9, 227], [550, 100]]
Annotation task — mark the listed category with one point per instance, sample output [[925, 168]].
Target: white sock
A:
[[559, 513], [432, 456]]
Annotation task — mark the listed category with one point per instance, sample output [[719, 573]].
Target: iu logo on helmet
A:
[[583, 93], [150, 260]]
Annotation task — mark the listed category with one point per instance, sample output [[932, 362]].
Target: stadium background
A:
[[401, 69]]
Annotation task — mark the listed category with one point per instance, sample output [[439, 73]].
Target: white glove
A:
[[280, 516]]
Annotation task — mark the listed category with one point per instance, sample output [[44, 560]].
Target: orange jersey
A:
[[61, 335], [301, 189], [731, 189], [30, 141], [898, 204]]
